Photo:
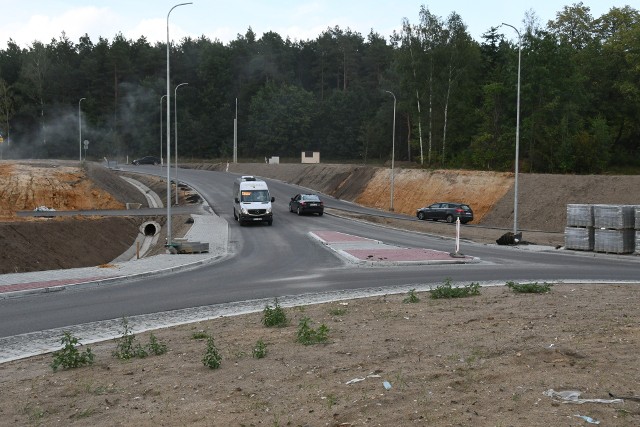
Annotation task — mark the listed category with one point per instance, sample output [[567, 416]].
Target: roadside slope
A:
[[542, 198], [37, 244], [415, 188]]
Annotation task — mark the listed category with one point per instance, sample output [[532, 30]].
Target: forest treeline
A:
[[455, 99]]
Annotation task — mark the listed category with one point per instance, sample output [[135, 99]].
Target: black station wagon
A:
[[446, 211]]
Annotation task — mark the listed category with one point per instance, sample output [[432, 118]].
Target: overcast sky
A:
[[30, 20]]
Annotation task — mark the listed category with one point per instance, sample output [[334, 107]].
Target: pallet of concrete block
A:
[[192, 247], [637, 252], [614, 241], [617, 217], [579, 238], [579, 215]]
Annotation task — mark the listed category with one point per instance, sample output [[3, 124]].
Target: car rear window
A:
[[311, 197]]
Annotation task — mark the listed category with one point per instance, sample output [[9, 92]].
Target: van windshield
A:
[[254, 196]]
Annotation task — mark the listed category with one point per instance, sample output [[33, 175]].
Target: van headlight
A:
[[269, 210], [244, 210]]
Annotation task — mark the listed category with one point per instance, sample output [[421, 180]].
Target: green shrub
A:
[[155, 346], [274, 316], [69, 356], [34, 413], [259, 350], [411, 297], [126, 348], [448, 291], [529, 288], [307, 335], [212, 356]]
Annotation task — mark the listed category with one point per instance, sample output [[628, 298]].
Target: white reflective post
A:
[[457, 235]]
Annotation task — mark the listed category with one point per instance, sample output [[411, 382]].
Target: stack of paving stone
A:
[[183, 246], [614, 228], [579, 233], [637, 213]]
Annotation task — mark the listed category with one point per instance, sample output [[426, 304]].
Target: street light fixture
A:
[[169, 131], [80, 126], [235, 135], [161, 98], [175, 129], [515, 184], [393, 146]]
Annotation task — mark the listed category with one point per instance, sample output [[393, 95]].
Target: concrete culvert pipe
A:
[[150, 228]]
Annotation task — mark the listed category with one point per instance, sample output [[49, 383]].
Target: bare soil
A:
[[479, 361]]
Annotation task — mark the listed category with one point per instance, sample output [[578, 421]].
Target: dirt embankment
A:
[[486, 360], [413, 189], [36, 244], [51, 185]]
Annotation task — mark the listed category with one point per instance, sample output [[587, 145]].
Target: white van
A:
[[251, 200]]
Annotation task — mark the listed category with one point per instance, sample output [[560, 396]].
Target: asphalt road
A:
[[272, 261]]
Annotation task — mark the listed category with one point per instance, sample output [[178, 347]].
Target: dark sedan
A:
[[306, 203], [446, 211], [147, 160]]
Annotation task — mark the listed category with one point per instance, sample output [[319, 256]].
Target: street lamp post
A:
[[235, 135], [515, 184], [80, 126], [393, 146], [161, 98], [169, 131], [175, 129]]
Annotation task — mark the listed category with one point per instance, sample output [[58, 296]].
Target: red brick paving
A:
[[381, 252]]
